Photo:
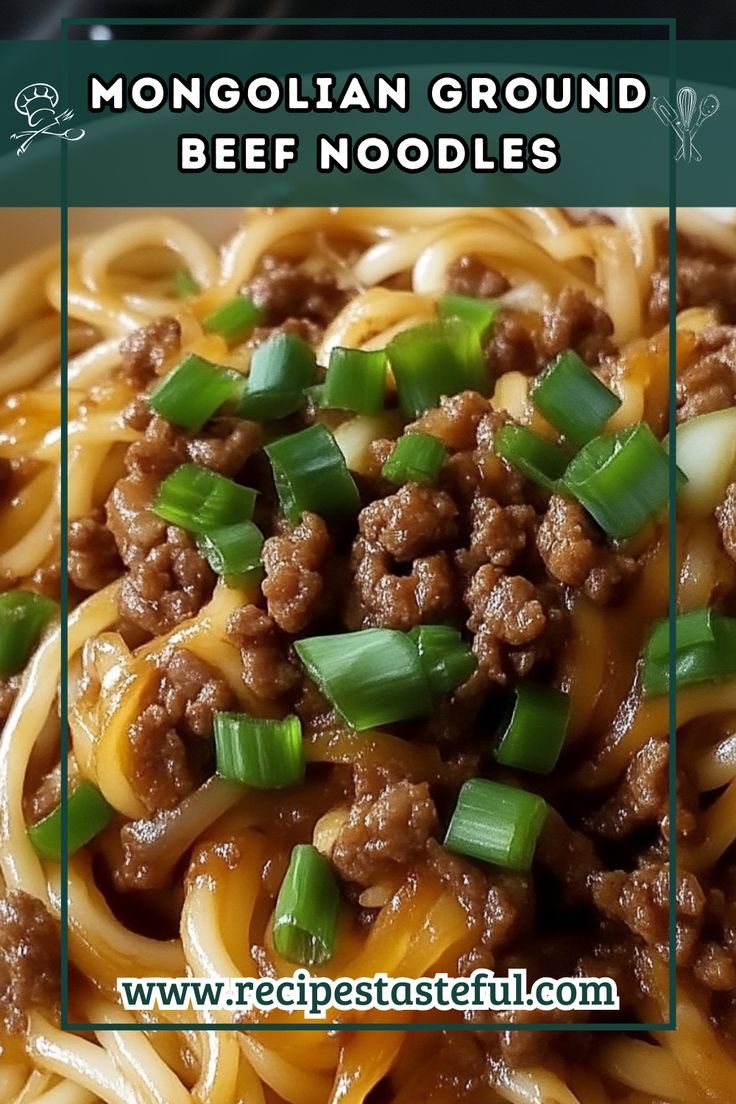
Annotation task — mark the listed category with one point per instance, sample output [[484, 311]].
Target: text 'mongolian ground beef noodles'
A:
[[368, 573]]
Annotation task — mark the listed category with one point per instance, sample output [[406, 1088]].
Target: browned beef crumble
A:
[[93, 556], [707, 382], [145, 351], [288, 291], [46, 797], [726, 515], [266, 668], [469, 276], [294, 586], [29, 960], [172, 583], [169, 737], [701, 282], [575, 554], [641, 798]]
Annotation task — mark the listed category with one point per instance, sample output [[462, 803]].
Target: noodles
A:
[[183, 877]]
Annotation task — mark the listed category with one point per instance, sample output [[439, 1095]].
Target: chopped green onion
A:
[[310, 474], [23, 617], [705, 651], [193, 391], [415, 458], [356, 380], [259, 752], [234, 319], [184, 284], [446, 659], [307, 908], [280, 370], [621, 480], [542, 461], [479, 313], [372, 677], [496, 823], [536, 730], [436, 359], [87, 814], [573, 399], [201, 500], [234, 552]]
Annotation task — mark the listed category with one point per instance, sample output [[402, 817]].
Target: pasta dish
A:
[[369, 659]]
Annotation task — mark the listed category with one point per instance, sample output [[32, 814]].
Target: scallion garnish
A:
[[355, 380], [201, 500], [280, 370], [184, 284], [234, 320], [415, 458], [372, 677], [542, 461], [310, 474], [573, 399], [446, 659], [536, 730], [621, 480], [436, 359], [193, 391], [496, 823], [705, 651], [23, 617], [307, 908], [234, 552], [479, 313], [87, 814], [259, 752]]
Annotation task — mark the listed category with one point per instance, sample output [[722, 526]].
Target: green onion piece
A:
[[201, 500], [542, 461], [258, 751], [479, 313], [184, 284], [23, 617], [697, 658], [573, 399], [435, 359], [307, 908], [193, 391], [234, 320], [621, 480], [446, 659], [234, 552], [691, 628], [280, 370], [372, 677], [310, 474], [536, 730], [496, 823], [356, 380], [415, 458], [87, 814]]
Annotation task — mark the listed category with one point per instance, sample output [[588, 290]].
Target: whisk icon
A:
[[684, 121]]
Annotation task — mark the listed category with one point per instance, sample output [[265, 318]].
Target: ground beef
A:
[[30, 974], [284, 291], [46, 579], [498, 479], [574, 322], [455, 421], [640, 900], [642, 796], [508, 616], [93, 555], [715, 968], [398, 601], [574, 553], [498, 534], [170, 741], [469, 276], [570, 857], [701, 282], [162, 448], [144, 351], [9, 687], [413, 522], [387, 828], [46, 797], [266, 668], [172, 583], [511, 346], [294, 563], [726, 515], [708, 380], [229, 444], [133, 524]]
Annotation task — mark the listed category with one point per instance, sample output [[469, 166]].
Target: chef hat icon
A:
[[35, 101]]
